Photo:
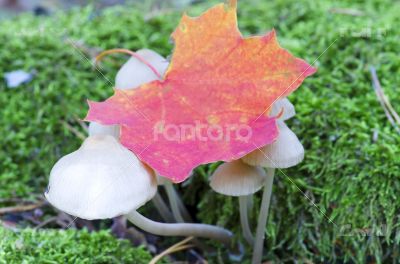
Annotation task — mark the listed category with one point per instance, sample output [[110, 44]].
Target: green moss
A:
[[67, 246], [32, 116], [351, 178]]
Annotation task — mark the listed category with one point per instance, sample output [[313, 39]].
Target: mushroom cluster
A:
[[243, 178], [103, 179]]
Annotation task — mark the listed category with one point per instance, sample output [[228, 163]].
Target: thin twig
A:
[[75, 131], [46, 222], [384, 101], [65, 221], [91, 51], [14, 200], [174, 248], [158, 12], [391, 109], [168, 252], [82, 123], [22, 200], [346, 11], [21, 208]]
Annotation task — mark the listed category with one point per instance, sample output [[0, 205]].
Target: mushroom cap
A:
[[135, 73], [131, 75], [102, 179], [99, 129], [285, 152], [286, 105], [236, 178]]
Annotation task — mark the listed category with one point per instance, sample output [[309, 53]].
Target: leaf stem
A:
[[133, 54]]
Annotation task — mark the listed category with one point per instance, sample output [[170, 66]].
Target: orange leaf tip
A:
[[212, 103]]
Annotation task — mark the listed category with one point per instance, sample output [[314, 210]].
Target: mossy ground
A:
[[68, 246], [348, 175]]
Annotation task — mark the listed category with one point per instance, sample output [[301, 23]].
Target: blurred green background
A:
[[351, 169]]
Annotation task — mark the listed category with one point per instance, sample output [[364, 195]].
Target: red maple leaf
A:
[[214, 100]]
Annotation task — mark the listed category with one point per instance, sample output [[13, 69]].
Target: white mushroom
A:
[[131, 75], [285, 152], [102, 179], [239, 179], [135, 73], [236, 178], [285, 105], [262, 217], [99, 129]]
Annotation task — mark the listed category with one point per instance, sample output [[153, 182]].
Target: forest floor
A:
[[339, 205]]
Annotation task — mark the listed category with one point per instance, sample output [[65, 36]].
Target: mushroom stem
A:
[[162, 208], [179, 210], [184, 211], [250, 202], [173, 201], [244, 219], [262, 217], [181, 229]]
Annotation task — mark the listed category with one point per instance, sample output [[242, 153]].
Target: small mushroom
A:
[[102, 179], [242, 180], [236, 178], [135, 73], [283, 105], [131, 75], [99, 129], [262, 217], [285, 152]]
